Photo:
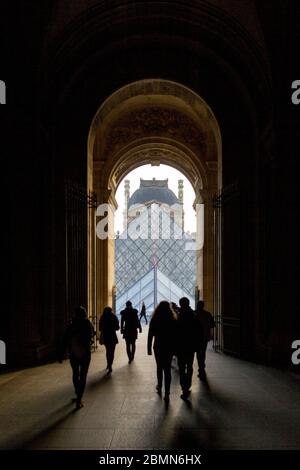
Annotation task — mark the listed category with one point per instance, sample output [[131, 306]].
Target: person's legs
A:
[[159, 375], [110, 352], [201, 354], [83, 370], [159, 371], [132, 349], [204, 354], [182, 371], [75, 373], [189, 369], [167, 374], [107, 355], [128, 349], [113, 347]]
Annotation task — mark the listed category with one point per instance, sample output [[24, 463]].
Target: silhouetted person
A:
[[163, 329], [185, 345], [129, 325], [143, 313], [205, 323], [78, 338], [108, 325]]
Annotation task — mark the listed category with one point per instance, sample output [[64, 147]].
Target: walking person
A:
[[130, 323], [108, 325], [77, 339], [143, 313], [186, 346], [205, 324], [163, 329]]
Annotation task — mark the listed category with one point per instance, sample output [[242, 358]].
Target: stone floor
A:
[[244, 406]]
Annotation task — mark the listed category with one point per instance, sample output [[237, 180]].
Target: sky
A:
[[159, 172]]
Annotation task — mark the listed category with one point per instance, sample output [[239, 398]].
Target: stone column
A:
[[199, 207], [105, 248], [91, 243], [208, 248]]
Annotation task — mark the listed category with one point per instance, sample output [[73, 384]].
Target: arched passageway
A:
[[204, 86], [154, 122], [215, 58]]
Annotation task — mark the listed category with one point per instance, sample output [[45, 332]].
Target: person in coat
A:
[[108, 325], [130, 324], [143, 313], [186, 345], [205, 324], [78, 339], [163, 329]]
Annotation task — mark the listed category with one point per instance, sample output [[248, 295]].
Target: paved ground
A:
[[246, 406]]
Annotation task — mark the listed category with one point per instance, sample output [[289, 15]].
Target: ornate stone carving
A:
[[154, 121], [156, 155]]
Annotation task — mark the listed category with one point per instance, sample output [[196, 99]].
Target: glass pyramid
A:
[[160, 244]]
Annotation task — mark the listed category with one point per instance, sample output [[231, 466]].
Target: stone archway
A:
[[154, 121]]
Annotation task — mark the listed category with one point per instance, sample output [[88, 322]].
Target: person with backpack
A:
[[78, 339], [130, 323]]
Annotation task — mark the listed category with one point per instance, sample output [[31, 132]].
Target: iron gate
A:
[[227, 259], [217, 300], [80, 208]]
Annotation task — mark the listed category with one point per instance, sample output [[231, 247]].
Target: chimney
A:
[[2, 92], [127, 196], [180, 191], [180, 198]]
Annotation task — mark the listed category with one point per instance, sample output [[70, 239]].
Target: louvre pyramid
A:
[[163, 247]]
